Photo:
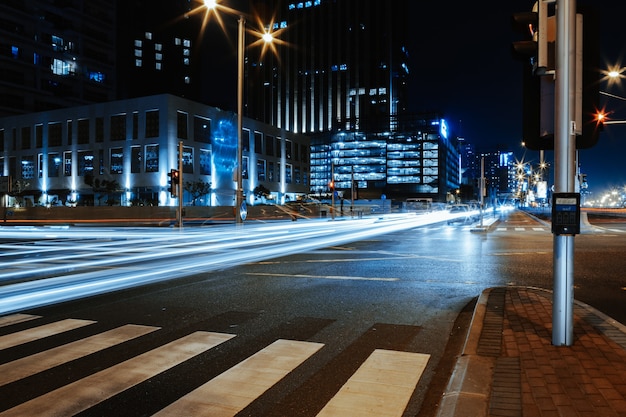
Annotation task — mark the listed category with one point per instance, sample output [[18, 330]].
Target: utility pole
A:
[[565, 169]]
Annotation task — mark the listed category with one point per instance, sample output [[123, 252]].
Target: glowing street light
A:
[[267, 38]]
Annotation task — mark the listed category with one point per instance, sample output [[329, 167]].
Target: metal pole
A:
[[240, 58], [564, 161], [180, 184], [482, 188], [332, 191]]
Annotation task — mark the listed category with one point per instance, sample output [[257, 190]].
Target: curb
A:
[[468, 391]]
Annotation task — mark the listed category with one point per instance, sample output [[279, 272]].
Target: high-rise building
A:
[[340, 76], [55, 54]]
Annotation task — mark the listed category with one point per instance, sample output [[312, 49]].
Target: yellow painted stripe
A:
[[39, 362], [89, 391], [231, 391], [16, 318], [40, 332], [382, 386]]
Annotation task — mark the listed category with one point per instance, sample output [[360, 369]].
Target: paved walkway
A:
[[510, 368]]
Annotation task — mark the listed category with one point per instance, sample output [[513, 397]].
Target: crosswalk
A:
[[381, 386], [522, 229]]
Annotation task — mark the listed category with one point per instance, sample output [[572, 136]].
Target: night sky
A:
[[462, 65]]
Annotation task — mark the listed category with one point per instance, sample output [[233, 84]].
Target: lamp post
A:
[[240, 58], [266, 37]]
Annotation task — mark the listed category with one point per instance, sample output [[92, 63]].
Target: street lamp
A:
[[267, 37]]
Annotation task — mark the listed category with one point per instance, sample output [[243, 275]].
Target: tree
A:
[[197, 189], [261, 191], [103, 187]]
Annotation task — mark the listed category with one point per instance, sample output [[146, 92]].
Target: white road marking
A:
[[382, 386], [30, 365], [230, 392], [338, 277], [16, 318], [89, 391], [40, 332]]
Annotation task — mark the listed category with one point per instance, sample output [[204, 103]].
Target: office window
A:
[[118, 127], [269, 145], [99, 129], [201, 129], [38, 136], [288, 173], [152, 158], [152, 124], [26, 137], [258, 142], [116, 161], [83, 131], [28, 167], [187, 160], [244, 168], [54, 164], [135, 159], [260, 169], [85, 163], [67, 163], [205, 162], [181, 125], [55, 134], [245, 140], [135, 125]]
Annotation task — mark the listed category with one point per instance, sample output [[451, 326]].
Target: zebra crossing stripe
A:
[[16, 318], [30, 365], [233, 390], [382, 386], [89, 391], [36, 333]]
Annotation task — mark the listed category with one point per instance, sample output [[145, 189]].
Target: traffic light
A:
[[538, 87], [173, 182]]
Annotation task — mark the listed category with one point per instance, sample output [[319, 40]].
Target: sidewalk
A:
[[509, 366]]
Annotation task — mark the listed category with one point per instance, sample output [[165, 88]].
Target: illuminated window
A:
[[158, 66], [177, 41], [138, 62], [158, 47], [187, 80], [60, 67], [158, 57], [187, 43], [148, 35], [138, 43]]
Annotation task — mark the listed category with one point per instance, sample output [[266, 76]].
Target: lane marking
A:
[[40, 332], [382, 386], [230, 392], [80, 395], [30, 365], [16, 318], [335, 277]]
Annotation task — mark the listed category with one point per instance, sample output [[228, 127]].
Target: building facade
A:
[[129, 146], [340, 76], [56, 54]]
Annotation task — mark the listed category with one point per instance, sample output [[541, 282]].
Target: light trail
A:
[[148, 256]]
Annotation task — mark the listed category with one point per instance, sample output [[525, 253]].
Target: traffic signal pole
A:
[[565, 169], [180, 184]]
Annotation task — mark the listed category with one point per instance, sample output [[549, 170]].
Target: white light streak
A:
[[82, 262]]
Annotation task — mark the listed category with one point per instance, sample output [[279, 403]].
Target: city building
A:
[[56, 54], [120, 152], [341, 77]]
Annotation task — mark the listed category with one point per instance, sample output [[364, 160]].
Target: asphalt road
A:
[[408, 291]]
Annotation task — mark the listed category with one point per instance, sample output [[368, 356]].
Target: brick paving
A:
[[533, 378]]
